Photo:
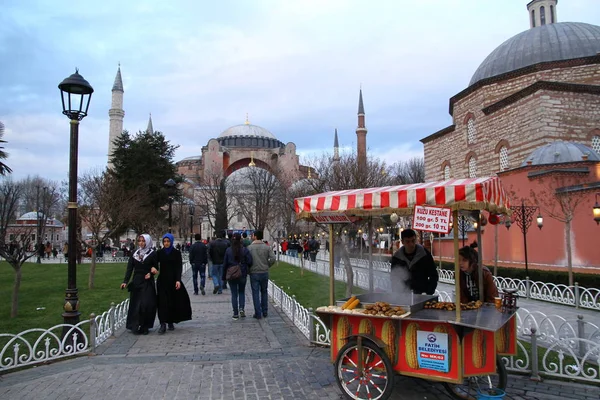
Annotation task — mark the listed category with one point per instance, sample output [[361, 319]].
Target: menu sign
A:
[[432, 219], [432, 351], [331, 218]]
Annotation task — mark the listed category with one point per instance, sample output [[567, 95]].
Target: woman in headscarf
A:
[[237, 257], [142, 295], [173, 299]]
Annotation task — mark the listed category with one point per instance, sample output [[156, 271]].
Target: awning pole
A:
[[480, 256], [456, 266], [332, 242], [371, 278]]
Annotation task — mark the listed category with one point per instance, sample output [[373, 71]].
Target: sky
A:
[[295, 66]]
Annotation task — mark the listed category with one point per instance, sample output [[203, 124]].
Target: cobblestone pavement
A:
[[214, 357]]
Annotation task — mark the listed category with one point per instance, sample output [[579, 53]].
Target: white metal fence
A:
[[560, 348], [35, 346]]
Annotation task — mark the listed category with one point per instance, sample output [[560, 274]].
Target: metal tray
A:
[[409, 302]]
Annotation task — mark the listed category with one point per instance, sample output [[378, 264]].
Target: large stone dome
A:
[[551, 42], [247, 130], [560, 152]]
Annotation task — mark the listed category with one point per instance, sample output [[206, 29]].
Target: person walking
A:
[[245, 241], [198, 260], [143, 264], [412, 266], [173, 301], [262, 259], [236, 263], [216, 254], [313, 246]]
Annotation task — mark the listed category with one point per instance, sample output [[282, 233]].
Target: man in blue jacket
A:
[[198, 260]]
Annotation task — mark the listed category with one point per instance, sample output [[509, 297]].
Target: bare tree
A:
[[14, 246], [559, 196], [409, 171], [213, 200]]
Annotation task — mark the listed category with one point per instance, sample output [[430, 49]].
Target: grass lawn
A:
[[43, 285], [311, 289]]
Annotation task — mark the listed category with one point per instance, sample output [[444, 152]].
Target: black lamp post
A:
[[192, 209], [596, 210], [523, 216], [170, 184], [76, 94]]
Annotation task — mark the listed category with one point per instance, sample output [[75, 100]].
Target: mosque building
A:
[[531, 115]]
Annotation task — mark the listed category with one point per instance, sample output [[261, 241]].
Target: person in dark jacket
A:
[[143, 264], [198, 260], [236, 255], [468, 260], [173, 300], [216, 254], [413, 267]]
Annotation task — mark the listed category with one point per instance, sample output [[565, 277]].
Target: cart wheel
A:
[[376, 380], [468, 389]]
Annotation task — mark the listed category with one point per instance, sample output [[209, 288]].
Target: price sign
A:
[[432, 219]]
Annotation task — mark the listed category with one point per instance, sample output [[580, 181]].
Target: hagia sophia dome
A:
[[247, 130], [546, 43]]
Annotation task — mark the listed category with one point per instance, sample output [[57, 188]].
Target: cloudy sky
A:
[[199, 66]]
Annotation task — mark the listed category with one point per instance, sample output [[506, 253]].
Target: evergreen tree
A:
[[4, 169]]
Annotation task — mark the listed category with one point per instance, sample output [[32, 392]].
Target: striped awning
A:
[[457, 194]]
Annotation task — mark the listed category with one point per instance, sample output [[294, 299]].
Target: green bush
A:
[[556, 277]]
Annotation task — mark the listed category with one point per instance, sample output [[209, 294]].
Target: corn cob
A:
[[365, 326], [347, 303], [410, 343], [444, 329], [343, 331], [478, 349], [502, 339], [388, 335], [353, 305]]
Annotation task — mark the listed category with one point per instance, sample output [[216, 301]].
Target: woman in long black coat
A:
[[173, 299], [142, 294]]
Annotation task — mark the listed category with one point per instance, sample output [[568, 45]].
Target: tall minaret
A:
[[150, 129], [361, 135], [541, 12], [116, 114], [336, 148]]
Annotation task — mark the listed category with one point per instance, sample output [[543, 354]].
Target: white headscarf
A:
[[143, 252]]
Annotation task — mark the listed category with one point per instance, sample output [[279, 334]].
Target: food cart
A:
[[413, 334]]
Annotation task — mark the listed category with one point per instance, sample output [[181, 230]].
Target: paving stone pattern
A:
[[214, 357]]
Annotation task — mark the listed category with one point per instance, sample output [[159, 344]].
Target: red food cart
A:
[[403, 333]]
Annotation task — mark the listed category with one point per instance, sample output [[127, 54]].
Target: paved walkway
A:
[[214, 357]]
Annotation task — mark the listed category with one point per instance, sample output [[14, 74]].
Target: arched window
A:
[[533, 18], [596, 144], [471, 131], [446, 172], [542, 15], [472, 167], [503, 158], [552, 14]]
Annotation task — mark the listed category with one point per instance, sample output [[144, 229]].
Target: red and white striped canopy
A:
[[458, 194]]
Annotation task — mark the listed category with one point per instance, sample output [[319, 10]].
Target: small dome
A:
[[561, 152], [32, 215], [247, 130], [191, 158], [550, 42]]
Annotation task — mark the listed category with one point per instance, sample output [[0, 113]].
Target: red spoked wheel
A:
[[373, 380]]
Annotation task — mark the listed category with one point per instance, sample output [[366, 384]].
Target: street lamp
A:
[[192, 209], [523, 217], [596, 210], [76, 94], [170, 184]]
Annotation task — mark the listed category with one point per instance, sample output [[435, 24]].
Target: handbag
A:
[[233, 272]]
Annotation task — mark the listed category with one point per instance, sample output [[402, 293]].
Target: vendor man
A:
[[413, 267]]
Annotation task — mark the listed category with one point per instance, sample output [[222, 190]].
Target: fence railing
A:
[[37, 345], [576, 296], [560, 348]]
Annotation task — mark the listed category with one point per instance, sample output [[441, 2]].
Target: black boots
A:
[[171, 327], [162, 329]]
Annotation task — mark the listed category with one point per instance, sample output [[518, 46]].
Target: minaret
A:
[[150, 129], [336, 148], [116, 114], [541, 12], [361, 135]]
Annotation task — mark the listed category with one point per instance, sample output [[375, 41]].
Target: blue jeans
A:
[[293, 253], [260, 298], [198, 269], [217, 276], [238, 294]]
